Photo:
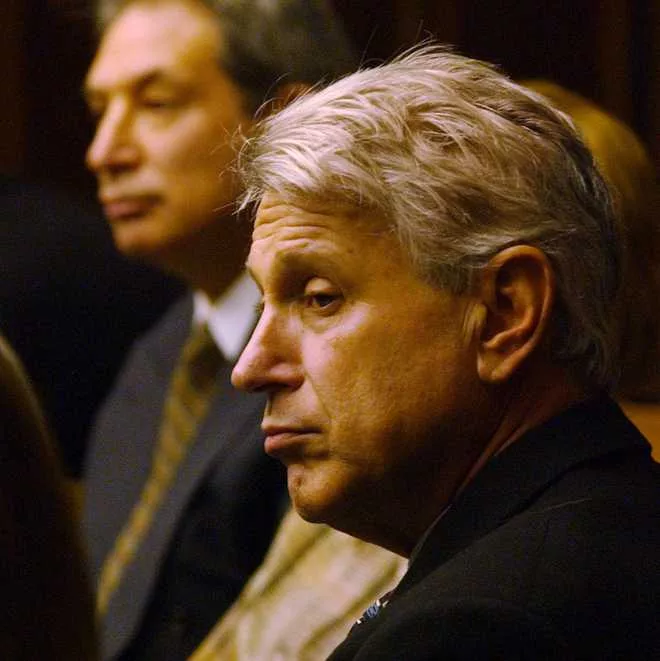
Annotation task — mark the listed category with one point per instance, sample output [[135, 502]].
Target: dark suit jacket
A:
[[553, 552], [218, 518], [70, 304]]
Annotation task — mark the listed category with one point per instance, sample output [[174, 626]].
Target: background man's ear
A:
[[517, 291], [283, 95]]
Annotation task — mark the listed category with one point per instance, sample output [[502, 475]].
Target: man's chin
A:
[[304, 498], [134, 242], [314, 497]]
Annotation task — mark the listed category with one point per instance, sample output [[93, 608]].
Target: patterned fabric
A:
[[190, 392], [375, 608], [314, 583]]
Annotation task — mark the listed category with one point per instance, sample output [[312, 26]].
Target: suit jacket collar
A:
[[163, 343], [512, 480]]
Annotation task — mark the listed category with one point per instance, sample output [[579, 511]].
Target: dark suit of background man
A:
[[70, 303], [440, 266], [174, 86]]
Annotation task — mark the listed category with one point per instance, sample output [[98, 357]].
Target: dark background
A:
[[604, 49]]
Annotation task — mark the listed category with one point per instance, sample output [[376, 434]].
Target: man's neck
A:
[[529, 402], [508, 413], [211, 260]]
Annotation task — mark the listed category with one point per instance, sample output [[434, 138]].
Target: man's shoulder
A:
[[456, 630], [526, 598], [565, 571], [134, 403], [154, 353], [171, 328], [596, 525], [582, 530]]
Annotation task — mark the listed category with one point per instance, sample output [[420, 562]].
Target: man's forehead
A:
[[148, 40], [289, 233], [286, 231]]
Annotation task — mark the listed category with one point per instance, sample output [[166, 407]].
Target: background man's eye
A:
[[157, 104]]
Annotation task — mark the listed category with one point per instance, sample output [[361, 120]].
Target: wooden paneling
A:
[[652, 100], [605, 49], [59, 49], [13, 107]]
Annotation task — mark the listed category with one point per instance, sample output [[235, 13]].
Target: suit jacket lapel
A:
[[232, 415], [510, 482]]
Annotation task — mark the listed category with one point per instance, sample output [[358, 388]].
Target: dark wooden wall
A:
[[609, 50], [606, 49]]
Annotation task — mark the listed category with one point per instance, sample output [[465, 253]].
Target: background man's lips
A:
[[127, 208]]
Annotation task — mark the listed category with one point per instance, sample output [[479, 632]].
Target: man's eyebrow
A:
[[138, 82], [291, 263]]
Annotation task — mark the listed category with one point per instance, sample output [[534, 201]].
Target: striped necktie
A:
[[191, 388]]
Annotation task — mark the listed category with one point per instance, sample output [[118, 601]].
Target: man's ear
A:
[[517, 292], [284, 94]]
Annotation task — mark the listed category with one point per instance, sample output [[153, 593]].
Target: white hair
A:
[[460, 162]]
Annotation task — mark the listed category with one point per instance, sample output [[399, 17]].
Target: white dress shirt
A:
[[231, 317]]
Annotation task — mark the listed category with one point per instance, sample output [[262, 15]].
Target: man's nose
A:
[[114, 146], [270, 360]]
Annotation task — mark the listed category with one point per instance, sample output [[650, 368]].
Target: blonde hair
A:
[[628, 169]]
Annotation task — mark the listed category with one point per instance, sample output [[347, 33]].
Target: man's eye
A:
[[321, 301], [321, 295], [156, 104]]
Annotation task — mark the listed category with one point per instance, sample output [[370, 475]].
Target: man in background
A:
[[181, 501]]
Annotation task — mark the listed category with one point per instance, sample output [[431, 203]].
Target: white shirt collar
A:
[[231, 317]]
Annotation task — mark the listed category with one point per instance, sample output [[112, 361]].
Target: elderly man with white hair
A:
[[438, 261]]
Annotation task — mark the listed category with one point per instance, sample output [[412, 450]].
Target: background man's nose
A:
[[113, 146]]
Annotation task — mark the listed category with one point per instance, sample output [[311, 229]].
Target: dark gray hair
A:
[[270, 42], [460, 162]]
